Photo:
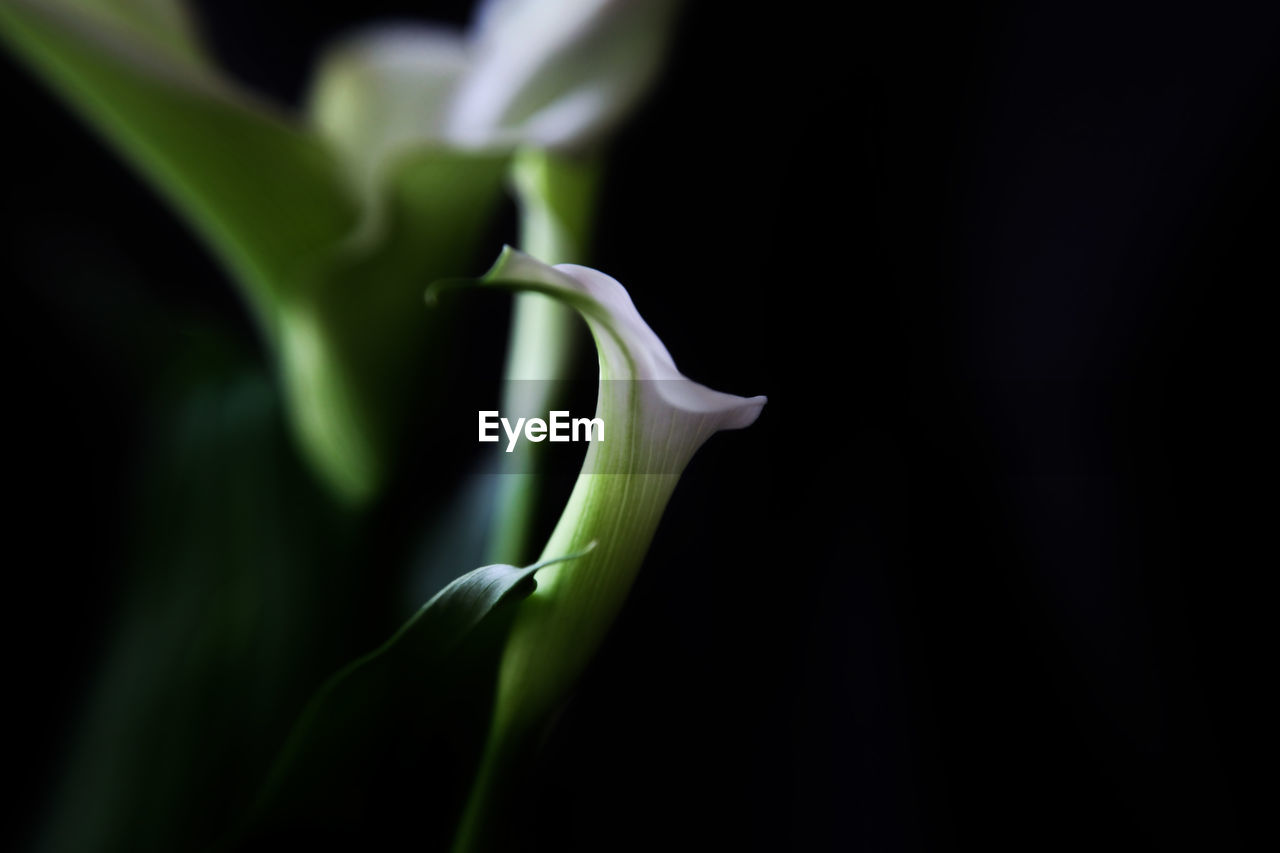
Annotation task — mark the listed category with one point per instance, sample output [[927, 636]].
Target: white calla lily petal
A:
[[386, 91], [629, 349], [557, 74], [554, 75], [656, 419]]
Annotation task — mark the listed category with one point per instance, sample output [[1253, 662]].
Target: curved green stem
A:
[[556, 195]]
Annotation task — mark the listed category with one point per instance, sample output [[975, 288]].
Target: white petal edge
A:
[[629, 348], [384, 91], [557, 74]]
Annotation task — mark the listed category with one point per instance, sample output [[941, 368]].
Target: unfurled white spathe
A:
[[386, 91], [556, 74], [656, 420], [666, 416]]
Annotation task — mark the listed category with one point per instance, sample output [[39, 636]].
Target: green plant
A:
[[332, 222]]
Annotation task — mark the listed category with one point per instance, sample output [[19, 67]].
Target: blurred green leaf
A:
[[355, 345], [388, 708], [332, 268], [240, 596], [265, 194]]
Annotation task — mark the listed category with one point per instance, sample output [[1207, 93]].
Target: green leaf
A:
[[357, 352], [331, 260], [430, 680], [267, 195], [240, 593]]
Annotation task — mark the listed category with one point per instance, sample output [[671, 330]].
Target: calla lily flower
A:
[[656, 419], [528, 73], [549, 80], [330, 221]]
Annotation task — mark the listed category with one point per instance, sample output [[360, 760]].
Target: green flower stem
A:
[[557, 632], [556, 195]]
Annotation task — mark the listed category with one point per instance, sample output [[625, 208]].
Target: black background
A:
[[988, 572]]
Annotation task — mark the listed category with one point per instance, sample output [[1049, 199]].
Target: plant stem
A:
[[558, 629], [556, 195]]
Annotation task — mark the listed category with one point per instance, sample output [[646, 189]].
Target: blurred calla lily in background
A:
[[332, 220], [333, 223], [556, 76]]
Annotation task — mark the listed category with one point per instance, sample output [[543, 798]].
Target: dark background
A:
[[988, 572]]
